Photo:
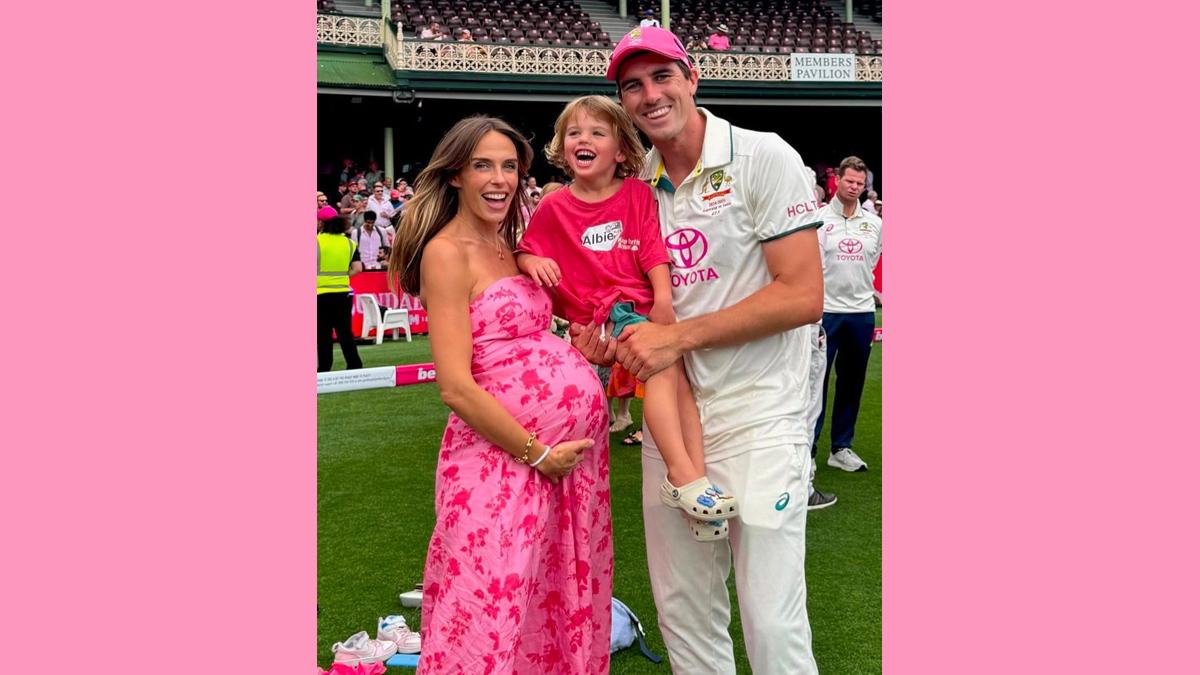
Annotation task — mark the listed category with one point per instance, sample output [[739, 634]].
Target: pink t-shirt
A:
[[603, 249]]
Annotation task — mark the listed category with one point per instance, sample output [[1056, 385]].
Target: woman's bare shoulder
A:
[[444, 267]]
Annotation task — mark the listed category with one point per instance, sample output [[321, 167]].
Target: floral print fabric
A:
[[518, 578]]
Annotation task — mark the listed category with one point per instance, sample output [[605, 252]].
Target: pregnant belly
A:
[[544, 383]]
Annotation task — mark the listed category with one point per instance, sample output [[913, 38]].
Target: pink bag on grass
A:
[[359, 669]]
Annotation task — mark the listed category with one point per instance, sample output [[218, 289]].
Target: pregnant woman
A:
[[518, 577]]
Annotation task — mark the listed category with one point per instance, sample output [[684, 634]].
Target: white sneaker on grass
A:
[[394, 629], [846, 460], [360, 648]]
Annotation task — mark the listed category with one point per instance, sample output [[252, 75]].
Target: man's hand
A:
[[646, 348], [587, 340]]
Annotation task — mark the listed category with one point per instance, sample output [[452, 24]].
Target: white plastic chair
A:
[[392, 319]]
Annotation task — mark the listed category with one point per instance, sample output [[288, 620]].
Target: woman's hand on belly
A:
[[563, 458]]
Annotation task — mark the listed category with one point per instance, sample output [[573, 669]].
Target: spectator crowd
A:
[[373, 202]]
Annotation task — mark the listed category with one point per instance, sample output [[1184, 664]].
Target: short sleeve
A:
[[533, 241], [651, 250], [783, 199]]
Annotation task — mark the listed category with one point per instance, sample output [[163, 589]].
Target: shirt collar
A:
[[718, 142], [839, 209], [716, 151]]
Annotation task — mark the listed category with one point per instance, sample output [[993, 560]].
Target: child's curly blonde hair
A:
[[604, 109]]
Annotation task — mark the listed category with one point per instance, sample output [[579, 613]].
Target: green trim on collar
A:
[[792, 231], [660, 175]]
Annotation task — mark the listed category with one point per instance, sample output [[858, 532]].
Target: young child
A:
[[603, 230]]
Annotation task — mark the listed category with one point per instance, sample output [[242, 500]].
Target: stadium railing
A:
[[481, 57]]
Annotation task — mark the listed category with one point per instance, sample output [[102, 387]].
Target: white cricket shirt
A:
[[850, 249], [748, 188]]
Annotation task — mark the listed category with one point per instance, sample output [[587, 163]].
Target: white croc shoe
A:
[[699, 499], [711, 530]]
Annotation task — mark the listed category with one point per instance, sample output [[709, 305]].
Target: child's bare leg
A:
[[661, 410], [689, 418]]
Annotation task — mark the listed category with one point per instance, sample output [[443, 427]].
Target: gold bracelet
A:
[[524, 458]]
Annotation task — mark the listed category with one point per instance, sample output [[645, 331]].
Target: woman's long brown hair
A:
[[435, 200]]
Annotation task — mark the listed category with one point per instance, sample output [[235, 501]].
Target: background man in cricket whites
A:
[[739, 216], [851, 242]]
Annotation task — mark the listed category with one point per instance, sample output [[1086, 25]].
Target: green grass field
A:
[[374, 445]]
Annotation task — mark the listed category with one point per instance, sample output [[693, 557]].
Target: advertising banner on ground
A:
[[351, 380], [417, 373], [375, 378], [375, 283]]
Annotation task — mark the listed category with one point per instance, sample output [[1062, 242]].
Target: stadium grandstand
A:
[[392, 78]]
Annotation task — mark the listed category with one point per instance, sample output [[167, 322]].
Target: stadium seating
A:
[[763, 25], [540, 22], [770, 26]]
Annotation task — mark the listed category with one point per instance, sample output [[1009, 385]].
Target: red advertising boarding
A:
[[375, 283], [879, 278]]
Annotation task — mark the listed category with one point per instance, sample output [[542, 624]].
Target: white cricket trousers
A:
[[766, 549]]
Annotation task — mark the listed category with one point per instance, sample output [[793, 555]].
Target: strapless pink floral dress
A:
[[518, 578]]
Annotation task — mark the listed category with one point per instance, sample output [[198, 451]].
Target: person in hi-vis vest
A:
[[337, 261]]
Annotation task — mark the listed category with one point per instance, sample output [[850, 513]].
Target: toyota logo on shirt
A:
[[850, 246], [687, 247]]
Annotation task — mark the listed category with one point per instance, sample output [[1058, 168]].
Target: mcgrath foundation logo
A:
[[687, 247], [850, 246]]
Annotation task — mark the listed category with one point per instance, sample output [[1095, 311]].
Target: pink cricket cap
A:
[[649, 39], [326, 213]]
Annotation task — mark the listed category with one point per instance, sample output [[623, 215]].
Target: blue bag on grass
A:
[[626, 629]]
